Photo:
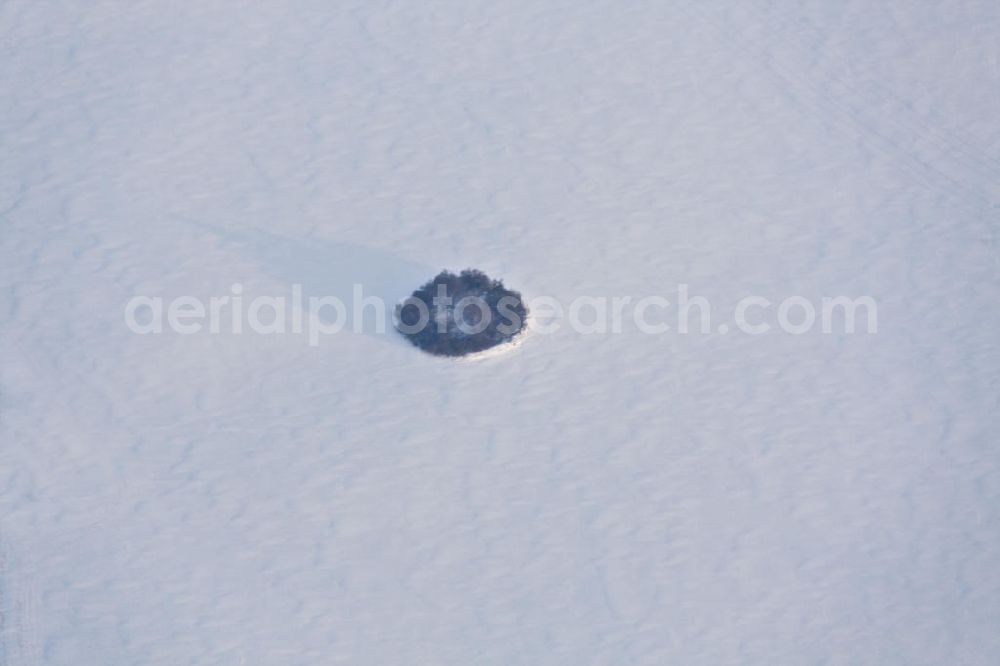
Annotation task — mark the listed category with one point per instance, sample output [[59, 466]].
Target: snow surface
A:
[[590, 499]]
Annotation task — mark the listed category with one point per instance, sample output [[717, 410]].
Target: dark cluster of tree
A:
[[442, 329]]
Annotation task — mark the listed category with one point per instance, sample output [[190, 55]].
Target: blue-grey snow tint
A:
[[456, 315]]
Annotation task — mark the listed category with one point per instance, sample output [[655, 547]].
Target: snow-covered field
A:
[[617, 498]]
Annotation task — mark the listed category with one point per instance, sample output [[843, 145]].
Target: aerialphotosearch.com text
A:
[[318, 316]]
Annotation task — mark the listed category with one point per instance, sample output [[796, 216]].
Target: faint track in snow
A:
[[925, 150], [786, 29], [19, 644]]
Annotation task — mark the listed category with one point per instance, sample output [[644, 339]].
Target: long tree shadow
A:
[[332, 269]]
